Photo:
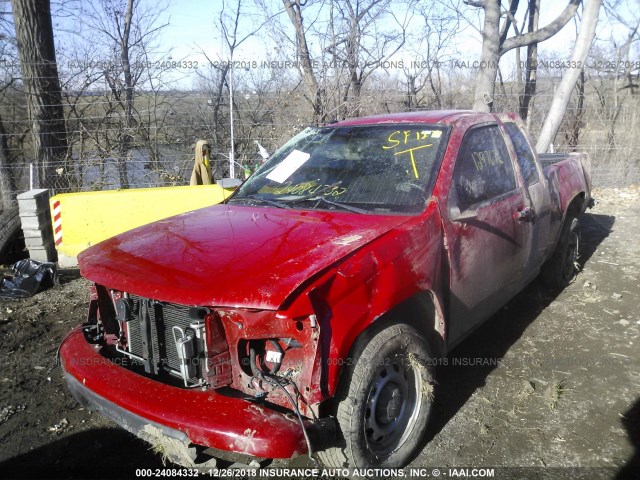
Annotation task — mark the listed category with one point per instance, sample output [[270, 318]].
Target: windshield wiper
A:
[[322, 198], [257, 198]]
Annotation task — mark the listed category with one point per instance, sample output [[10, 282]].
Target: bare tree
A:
[[531, 71], [219, 80], [120, 31], [34, 33], [572, 135], [430, 48], [7, 181], [294, 10], [123, 33], [364, 42], [495, 44], [570, 77], [623, 84], [9, 77]]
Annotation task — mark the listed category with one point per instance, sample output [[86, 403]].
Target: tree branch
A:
[[504, 31], [544, 33]]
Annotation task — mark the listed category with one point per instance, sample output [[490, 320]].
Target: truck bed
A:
[[568, 174], [548, 159]]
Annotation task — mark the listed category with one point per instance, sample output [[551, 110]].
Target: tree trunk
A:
[[7, 182], [494, 46], [569, 79], [573, 136], [34, 33], [126, 65], [485, 82], [127, 137], [411, 102], [293, 9], [532, 62], [436, 88]]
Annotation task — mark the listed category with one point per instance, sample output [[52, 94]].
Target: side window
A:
[[526, 158], [483, 167]]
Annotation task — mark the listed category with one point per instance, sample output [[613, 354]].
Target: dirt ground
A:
[[547, 388]]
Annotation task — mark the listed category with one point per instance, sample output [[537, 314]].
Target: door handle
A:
[[524, 214]]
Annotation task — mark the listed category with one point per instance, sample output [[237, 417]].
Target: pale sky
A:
[[191, 28]]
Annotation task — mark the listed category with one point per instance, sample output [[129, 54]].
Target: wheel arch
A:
[[419, 314], [422, 311], [576, 206]]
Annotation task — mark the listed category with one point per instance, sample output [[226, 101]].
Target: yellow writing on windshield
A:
[[406, 136], [413, 160], [410, 137], [305, 188]]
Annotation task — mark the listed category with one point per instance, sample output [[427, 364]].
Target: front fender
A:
[[369, 285]]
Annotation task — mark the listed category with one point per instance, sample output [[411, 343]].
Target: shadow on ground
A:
[[631, 422], [66, 275], [96, 453]]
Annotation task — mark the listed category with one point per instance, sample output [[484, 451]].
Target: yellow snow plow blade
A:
[[86, 218]]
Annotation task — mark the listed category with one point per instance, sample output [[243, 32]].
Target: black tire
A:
[[11, 238], [384, 402], [562, 268]]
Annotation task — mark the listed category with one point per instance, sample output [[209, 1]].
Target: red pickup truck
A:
[[306, 313]]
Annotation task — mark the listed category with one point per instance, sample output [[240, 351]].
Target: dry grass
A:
[[418, 363], [554, 393]]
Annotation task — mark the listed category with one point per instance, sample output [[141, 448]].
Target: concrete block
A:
[[35, 219], [39, 241], [33, 201], [67, 262], [43, 254], [44, 232], [35, 242]]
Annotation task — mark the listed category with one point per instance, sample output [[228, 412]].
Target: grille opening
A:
[[162, 318]]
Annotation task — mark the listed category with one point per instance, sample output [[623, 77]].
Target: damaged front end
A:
[[170, 342], [252, 372]]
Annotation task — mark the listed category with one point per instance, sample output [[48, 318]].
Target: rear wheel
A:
[[384, 402], [561, 269]]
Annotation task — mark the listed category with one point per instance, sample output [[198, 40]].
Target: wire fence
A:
[[175, 170], [162, 137], [95, 174]]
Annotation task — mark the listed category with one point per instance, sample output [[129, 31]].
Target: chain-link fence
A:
[[161, 152]]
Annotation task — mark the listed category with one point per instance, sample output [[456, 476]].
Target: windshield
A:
[[364, 169]]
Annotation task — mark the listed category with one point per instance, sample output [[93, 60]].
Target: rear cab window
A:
[[524, 153], [483, 168]]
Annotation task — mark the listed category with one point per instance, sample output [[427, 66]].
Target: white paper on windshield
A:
[[288, 166]]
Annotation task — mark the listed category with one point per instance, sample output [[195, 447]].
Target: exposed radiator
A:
[[163, 317]]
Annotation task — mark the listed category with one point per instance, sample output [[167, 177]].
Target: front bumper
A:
[[200, 417]]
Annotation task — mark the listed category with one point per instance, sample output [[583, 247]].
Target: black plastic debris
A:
[[30, 277]]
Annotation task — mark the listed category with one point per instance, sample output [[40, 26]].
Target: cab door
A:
[[487, 229], [537, 193]]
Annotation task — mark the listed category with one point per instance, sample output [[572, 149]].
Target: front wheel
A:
[[384, 402]]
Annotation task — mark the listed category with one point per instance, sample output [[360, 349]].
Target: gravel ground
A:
[[548, 388]]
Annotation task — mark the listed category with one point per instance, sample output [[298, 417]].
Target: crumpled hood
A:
[[232, 256]]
